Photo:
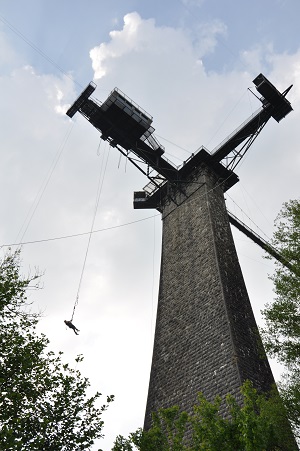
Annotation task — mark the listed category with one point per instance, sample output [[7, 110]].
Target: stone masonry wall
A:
[[206, 338]]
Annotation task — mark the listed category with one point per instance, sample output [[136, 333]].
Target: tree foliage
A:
[[282, 335], [259, 424], [43, 402], [282, 332]]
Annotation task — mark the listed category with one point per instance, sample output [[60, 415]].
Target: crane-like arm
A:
[[274, 104]]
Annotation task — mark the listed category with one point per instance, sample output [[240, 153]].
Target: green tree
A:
[[282, 331], [43, 402], [259, 424], [282, 334]]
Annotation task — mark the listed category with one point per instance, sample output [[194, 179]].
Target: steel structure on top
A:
[[128, 127]]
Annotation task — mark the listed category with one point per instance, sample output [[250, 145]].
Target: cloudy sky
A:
[[189, 63]]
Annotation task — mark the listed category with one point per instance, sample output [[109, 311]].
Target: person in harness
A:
[[71, 326]]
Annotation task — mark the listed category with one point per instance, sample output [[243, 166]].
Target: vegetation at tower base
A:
[[259, 424], [282, 331], [43, 402]]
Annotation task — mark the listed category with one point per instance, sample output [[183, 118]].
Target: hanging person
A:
[[71, 326]]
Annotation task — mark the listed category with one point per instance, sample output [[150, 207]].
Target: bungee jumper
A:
[[71, 326]]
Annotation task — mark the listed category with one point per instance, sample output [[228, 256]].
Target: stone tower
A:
[[206, 337]]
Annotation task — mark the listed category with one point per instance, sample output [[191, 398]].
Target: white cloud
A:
[[207, 38], [142, 37], [257, 59], [137, 37]]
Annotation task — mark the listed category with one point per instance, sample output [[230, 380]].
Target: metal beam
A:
[[261, 242], [274, 105], [243, 132]]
